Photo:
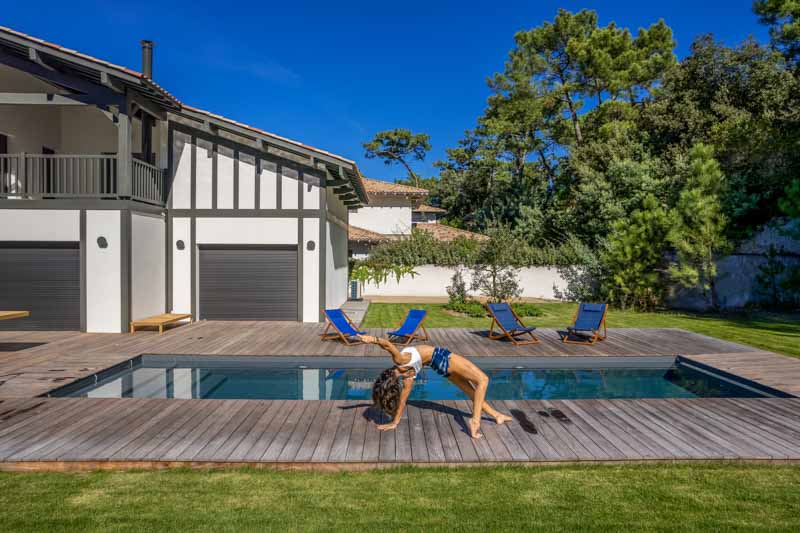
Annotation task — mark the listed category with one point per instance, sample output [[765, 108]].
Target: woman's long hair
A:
[[386, 391]]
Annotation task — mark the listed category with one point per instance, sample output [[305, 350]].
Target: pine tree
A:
[[698, 230], [634, 257]]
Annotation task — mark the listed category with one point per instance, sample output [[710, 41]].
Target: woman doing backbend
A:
[[393, 387]]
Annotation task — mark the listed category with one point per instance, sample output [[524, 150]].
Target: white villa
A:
[[392, 211], [118, 202]]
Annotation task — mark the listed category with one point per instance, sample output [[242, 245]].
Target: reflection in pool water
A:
[[219, 382]]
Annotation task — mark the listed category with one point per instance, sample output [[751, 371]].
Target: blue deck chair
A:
[[344, 328], [588, 326], [408, 330], [510, 325]]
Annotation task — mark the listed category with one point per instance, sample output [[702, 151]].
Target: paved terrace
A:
[[65, 433]]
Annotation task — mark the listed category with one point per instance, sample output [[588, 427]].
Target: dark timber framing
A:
[[306, 177], [323, 249], [126, 266], [301, 246], [83, 268], [127, 95]]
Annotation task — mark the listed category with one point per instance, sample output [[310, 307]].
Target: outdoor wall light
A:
[[310, 245], [180, 245], [102, 242]]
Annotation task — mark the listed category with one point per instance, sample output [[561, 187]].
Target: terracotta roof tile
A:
[[108, 64], [356, 234], [374, 186], [444, 233], [424, 208]]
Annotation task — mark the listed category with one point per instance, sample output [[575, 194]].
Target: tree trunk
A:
[[712, 284], [575, 122], [411, 173], [572, 111]]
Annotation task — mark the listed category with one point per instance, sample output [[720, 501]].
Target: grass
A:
[[776, 332], [699, 497], [652, 497]]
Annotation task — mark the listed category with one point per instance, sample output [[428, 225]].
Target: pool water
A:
[[201, 377]]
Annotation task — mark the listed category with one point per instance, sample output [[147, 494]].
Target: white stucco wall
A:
[[29, 128], [103, 273], [268, 180], [387, 220], [181, 195], [204, 175], [336, 266], [247, 184], [311, 192], [148, 261], [40, 225], [224, 178], [181, 266], [246, 230], [87, 130], [537, 282], [288, 188], [311, 270], [17, 81], [268, 196]]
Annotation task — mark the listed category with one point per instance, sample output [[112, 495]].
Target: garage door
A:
[[44, 279], [248, 283]]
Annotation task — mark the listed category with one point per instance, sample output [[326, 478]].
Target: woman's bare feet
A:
[[474, 428], [502, 419]]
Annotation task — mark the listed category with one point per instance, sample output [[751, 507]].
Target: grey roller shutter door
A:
[[43, 280], [248, 283]]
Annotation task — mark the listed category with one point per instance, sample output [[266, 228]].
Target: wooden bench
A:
[[8, 315], [159, 321]]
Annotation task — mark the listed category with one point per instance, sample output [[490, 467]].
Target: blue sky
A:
[[331, 74]]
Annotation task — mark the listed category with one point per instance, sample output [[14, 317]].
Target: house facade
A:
[[392, 212], [118, 202]]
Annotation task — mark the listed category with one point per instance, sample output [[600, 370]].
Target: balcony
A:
[[79, 176]]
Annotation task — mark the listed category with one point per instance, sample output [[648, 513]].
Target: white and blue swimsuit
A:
[[440, 361]]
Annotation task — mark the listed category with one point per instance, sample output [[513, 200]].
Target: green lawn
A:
[[769, 331], [654, 497], [699, 497]]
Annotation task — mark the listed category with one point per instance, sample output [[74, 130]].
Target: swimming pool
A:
[[350, 378]]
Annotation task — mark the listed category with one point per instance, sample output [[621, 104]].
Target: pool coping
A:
[[343, 362]]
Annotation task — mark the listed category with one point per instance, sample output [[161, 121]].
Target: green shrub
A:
[[526, 309], [421, 248], [475, 309], [470, 308]]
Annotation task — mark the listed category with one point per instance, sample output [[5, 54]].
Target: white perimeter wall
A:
[[537, 282], [148, 260], [103, 272], [336, 266], [387, 220]]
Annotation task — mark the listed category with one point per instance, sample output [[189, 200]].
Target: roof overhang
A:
[[112, 85], [74, 71], [342, 175]]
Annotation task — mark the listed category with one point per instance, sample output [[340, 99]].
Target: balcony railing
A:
[[147, 183], [61, 176]]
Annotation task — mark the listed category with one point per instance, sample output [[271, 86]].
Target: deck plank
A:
[[292, 431]]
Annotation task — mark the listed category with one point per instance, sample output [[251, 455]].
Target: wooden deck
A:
[[66, 356], [38, 433], [77, 433]]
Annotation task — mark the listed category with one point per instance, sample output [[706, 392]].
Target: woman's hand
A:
[[390, 425], [368, 339]]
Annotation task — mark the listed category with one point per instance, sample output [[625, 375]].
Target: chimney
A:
[[147, 58]]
